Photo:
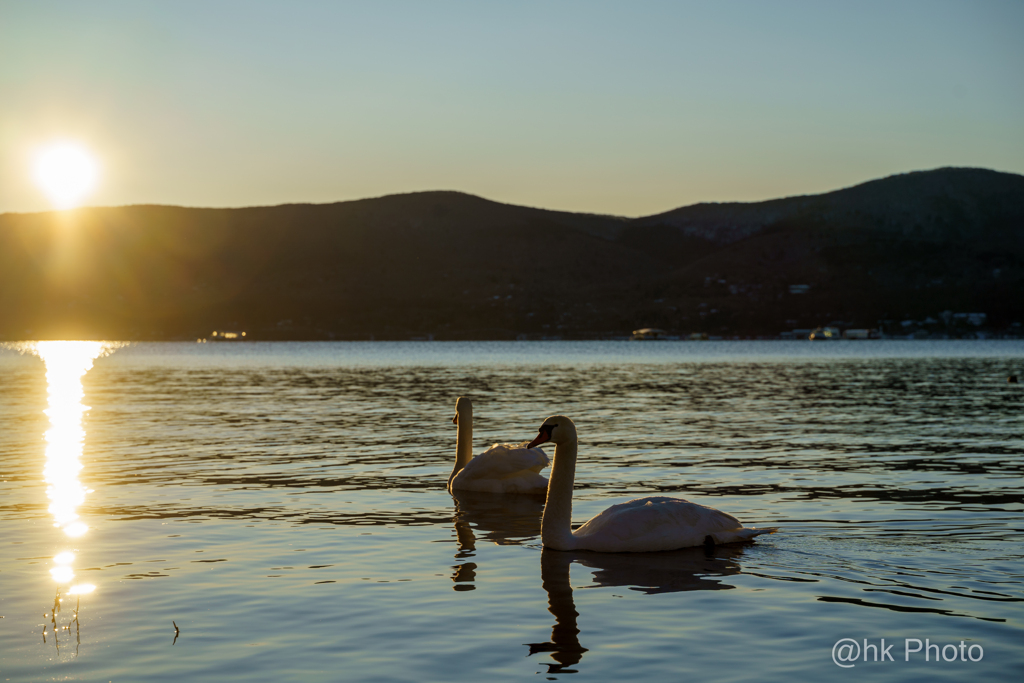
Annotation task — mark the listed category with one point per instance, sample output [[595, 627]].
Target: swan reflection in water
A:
[[689, 569], [515, 519], [502, 519]]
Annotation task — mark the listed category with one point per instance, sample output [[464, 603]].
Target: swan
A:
[[502, 468], [642, 525]]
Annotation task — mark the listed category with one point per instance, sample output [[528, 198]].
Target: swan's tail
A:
[[741, 535], [752, 532]]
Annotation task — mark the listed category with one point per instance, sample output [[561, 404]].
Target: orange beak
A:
[[543, 437]]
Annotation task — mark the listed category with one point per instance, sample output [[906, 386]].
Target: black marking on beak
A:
[[543, 435]]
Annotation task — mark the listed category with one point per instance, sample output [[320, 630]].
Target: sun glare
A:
[[66, 172]]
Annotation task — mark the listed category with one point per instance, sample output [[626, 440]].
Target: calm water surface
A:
[[284, 505]]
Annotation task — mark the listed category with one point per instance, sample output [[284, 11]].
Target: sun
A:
[[66, 172]]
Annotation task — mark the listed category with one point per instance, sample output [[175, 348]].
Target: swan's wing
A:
[[531, 459], [641, 516], [658, 523], [504, 459], [504, 468]]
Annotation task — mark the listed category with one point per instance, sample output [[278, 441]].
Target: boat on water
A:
[[649, 334], [825, 334], [834, 334], [227, 336]]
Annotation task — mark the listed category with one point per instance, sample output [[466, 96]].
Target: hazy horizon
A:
[[490, 199], [589, 107]]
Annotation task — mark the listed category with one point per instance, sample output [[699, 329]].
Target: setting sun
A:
[[66, 172]]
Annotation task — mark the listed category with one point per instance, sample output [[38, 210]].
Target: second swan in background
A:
[[502, 468]]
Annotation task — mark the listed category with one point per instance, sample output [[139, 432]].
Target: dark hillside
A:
[[455, 266], [386, 267]]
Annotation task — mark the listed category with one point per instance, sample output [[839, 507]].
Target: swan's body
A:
[[642, 525], [502, 468]]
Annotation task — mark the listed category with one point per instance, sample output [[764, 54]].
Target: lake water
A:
[[284, 505]]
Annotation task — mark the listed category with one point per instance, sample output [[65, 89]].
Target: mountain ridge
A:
[[449, 264]]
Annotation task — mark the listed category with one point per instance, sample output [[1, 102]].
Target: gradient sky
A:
[[609, 107]]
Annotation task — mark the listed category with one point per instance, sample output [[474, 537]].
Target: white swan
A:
[[641, 525], [502, 468]]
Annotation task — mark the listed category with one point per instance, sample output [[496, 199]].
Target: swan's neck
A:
[[463, 445], [555, 525]]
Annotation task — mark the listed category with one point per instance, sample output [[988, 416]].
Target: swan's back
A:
[[504, 468], [659, 523]]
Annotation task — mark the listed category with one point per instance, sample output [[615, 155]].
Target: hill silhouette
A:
[[455, 266]]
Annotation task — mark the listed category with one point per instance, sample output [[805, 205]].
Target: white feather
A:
[[504, 468]]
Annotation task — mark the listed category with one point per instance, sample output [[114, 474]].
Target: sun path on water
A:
[[66, 364]]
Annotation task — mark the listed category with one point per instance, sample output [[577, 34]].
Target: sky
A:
[[627, 108]]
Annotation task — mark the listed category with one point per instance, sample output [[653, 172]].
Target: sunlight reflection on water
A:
[[66, 364]]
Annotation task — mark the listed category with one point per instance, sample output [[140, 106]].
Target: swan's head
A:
[[556, 429], [462, 406]]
